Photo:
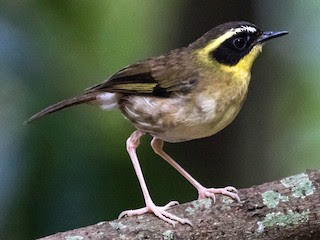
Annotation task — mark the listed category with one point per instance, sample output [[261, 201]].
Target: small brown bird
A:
[[188, 93]]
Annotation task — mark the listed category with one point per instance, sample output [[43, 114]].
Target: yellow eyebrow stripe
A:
[[203, 53]]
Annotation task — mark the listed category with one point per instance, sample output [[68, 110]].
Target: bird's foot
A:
[[160, 212], [210, 192]]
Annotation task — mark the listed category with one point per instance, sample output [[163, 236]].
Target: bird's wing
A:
[[159, 76]]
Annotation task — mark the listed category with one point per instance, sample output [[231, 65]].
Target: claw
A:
[[231, 189], [130, 213], [160, 212], [170, 204], [210, 192]]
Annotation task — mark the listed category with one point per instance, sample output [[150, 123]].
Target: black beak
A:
[[265, 36]]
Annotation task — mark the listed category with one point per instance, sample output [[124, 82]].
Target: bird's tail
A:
[[85, 98]]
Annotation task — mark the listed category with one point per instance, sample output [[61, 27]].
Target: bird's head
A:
[[232, 46]]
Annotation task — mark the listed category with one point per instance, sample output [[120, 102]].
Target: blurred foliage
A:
[[71, 169]]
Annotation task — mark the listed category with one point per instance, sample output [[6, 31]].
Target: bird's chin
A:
[[258, 47]]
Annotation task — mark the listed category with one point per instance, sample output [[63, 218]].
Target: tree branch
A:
[[283, 209]]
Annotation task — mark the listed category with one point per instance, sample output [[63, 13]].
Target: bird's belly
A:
[[202, 127], [178, 119]]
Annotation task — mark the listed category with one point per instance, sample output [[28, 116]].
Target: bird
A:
[[188, 93]]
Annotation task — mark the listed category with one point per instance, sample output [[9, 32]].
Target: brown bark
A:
[[283, 209]]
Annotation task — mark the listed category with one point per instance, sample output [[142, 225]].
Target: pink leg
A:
[[157, 145], [132, 144]]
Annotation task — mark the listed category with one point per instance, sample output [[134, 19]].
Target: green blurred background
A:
[[71, 169]]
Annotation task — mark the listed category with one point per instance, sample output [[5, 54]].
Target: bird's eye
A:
[[240, 43]]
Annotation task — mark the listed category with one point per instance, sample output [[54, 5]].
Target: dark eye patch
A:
[[233, 49]]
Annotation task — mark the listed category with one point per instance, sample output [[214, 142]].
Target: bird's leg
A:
[[157, 145], [132, 144]]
